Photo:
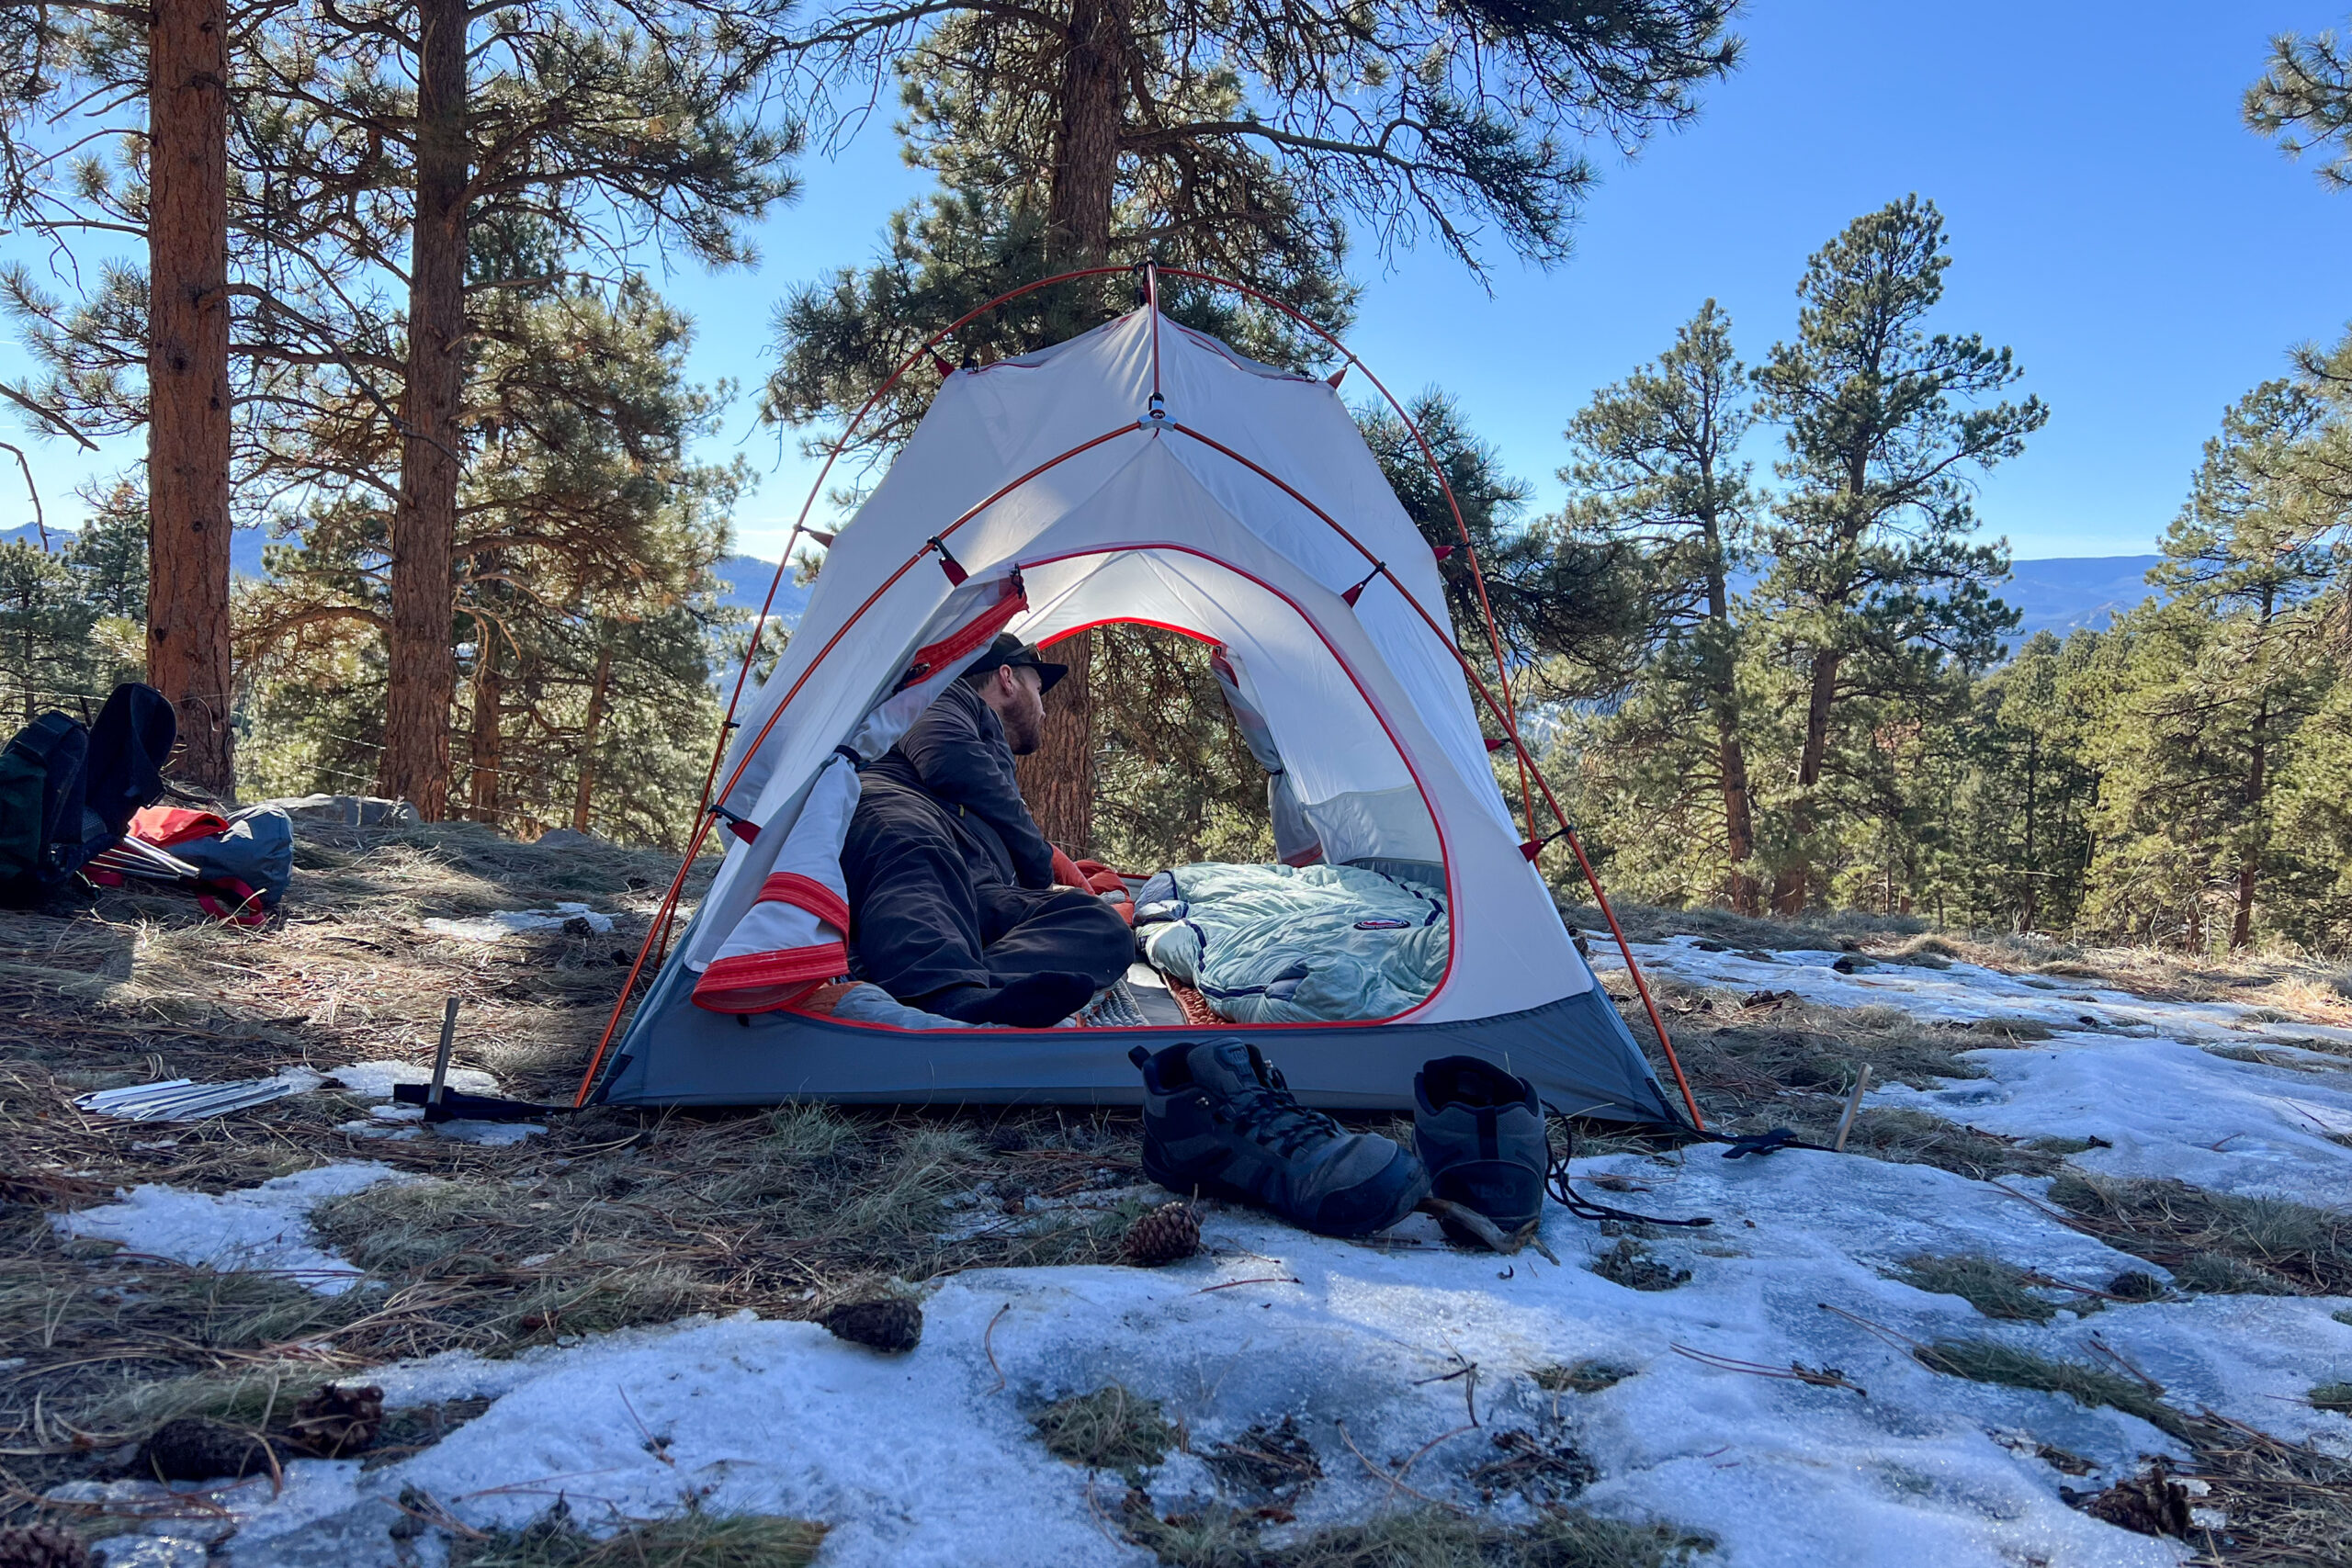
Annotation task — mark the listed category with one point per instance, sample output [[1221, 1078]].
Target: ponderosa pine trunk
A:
[[2250, 861], [1731, 758], [1058, 779], [188, 377], [422, 660], [1791, 886], [487, 743], [585, 796]]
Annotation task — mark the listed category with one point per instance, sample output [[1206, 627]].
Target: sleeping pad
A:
[[1295, 944]]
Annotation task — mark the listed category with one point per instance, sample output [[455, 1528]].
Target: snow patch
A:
[[500, 923], [2169, 1108], [374, 1080], [261, 1230]]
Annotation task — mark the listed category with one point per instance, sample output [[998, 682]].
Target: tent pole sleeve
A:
[[1526, 762], [841, 445], [660, 928], [1509, 717]]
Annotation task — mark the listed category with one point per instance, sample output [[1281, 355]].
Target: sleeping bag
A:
[[1296, 944]]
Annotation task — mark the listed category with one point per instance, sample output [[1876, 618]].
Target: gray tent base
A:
[[1577, 1051]]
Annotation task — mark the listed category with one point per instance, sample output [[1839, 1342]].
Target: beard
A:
[[1024, 727]]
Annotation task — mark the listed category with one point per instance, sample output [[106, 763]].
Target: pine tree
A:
[[1656, 469], [2236, 555], [190, 403], [1239, 143], [584, 605], [1875, 590], [613, 122], [2304, 102], [44, 631]]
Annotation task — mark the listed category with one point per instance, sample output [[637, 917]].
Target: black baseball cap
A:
[[1009, 650]]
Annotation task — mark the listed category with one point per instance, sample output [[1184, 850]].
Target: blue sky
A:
[[2147, 257]]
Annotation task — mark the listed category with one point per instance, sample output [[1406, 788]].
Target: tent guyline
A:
[[1153, 422]]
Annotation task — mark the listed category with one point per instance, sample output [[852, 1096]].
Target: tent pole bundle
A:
[[1153, 424]]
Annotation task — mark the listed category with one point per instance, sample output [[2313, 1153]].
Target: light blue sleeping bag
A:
[[1295, 944]]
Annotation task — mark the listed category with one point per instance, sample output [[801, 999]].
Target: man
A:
[[951, 885]]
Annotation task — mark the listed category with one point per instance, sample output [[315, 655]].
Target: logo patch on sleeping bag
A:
[[1383, 925]]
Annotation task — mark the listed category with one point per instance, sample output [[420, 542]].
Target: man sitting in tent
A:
[[951, 885]]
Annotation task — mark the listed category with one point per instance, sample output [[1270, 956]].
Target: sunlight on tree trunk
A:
[[422, 659], [187, 368]]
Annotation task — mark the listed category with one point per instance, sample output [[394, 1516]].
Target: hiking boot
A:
[[1480, 1132], [1219, 1121]]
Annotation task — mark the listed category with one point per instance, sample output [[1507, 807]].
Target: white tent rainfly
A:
[[1141, 473]]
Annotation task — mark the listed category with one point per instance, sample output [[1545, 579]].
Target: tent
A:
[[1142, 472]]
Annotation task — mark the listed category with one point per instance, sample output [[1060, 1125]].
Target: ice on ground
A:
[[485, 1134], [261, 1230], [513, 923], [2167, 1108], [930, 1458], [1963, 991], [1383, 1353], [374, 1080]]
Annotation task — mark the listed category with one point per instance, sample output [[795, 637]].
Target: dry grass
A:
[[1630, 1264], [1780, 1064], [1650, 923], [2215, 1242], [693, 1539], [1987, 1361], [1991, 1287], [1422, 1537], [1111, 1428], [607, 1218], [2289, 987], [2286, 1505], [1583, 1377]]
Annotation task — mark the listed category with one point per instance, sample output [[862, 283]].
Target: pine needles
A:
[[2215, 1241], [693, 1539]]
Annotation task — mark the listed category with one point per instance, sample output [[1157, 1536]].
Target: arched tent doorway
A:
[[1236, 503]]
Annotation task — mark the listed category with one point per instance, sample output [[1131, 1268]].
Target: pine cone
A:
[[193, 1449], [42, 1546], [332, 1422], [889, 1323], [1167, 1235]]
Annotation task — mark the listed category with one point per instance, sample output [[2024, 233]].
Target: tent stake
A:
[[1853, 1104], [441, 1055]]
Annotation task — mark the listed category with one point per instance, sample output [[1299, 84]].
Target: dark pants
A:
[[935, 923]]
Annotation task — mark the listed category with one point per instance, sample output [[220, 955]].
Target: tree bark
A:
[[1790, 888], [1085, 173], [487, 748], [584, 796], [187, 375], [422, 655], [2032, 869], [1739, 823], [2250, 861], [1058, 779]]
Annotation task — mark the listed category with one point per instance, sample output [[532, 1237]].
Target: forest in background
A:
[[448, 388]]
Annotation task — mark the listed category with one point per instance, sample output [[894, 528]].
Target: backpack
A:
[[242, 862], [67, 792]]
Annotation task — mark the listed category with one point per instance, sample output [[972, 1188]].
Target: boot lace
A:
[[1273, 1117]]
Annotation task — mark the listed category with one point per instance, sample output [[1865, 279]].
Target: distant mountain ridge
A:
[[2061, 594], [744, 579]]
